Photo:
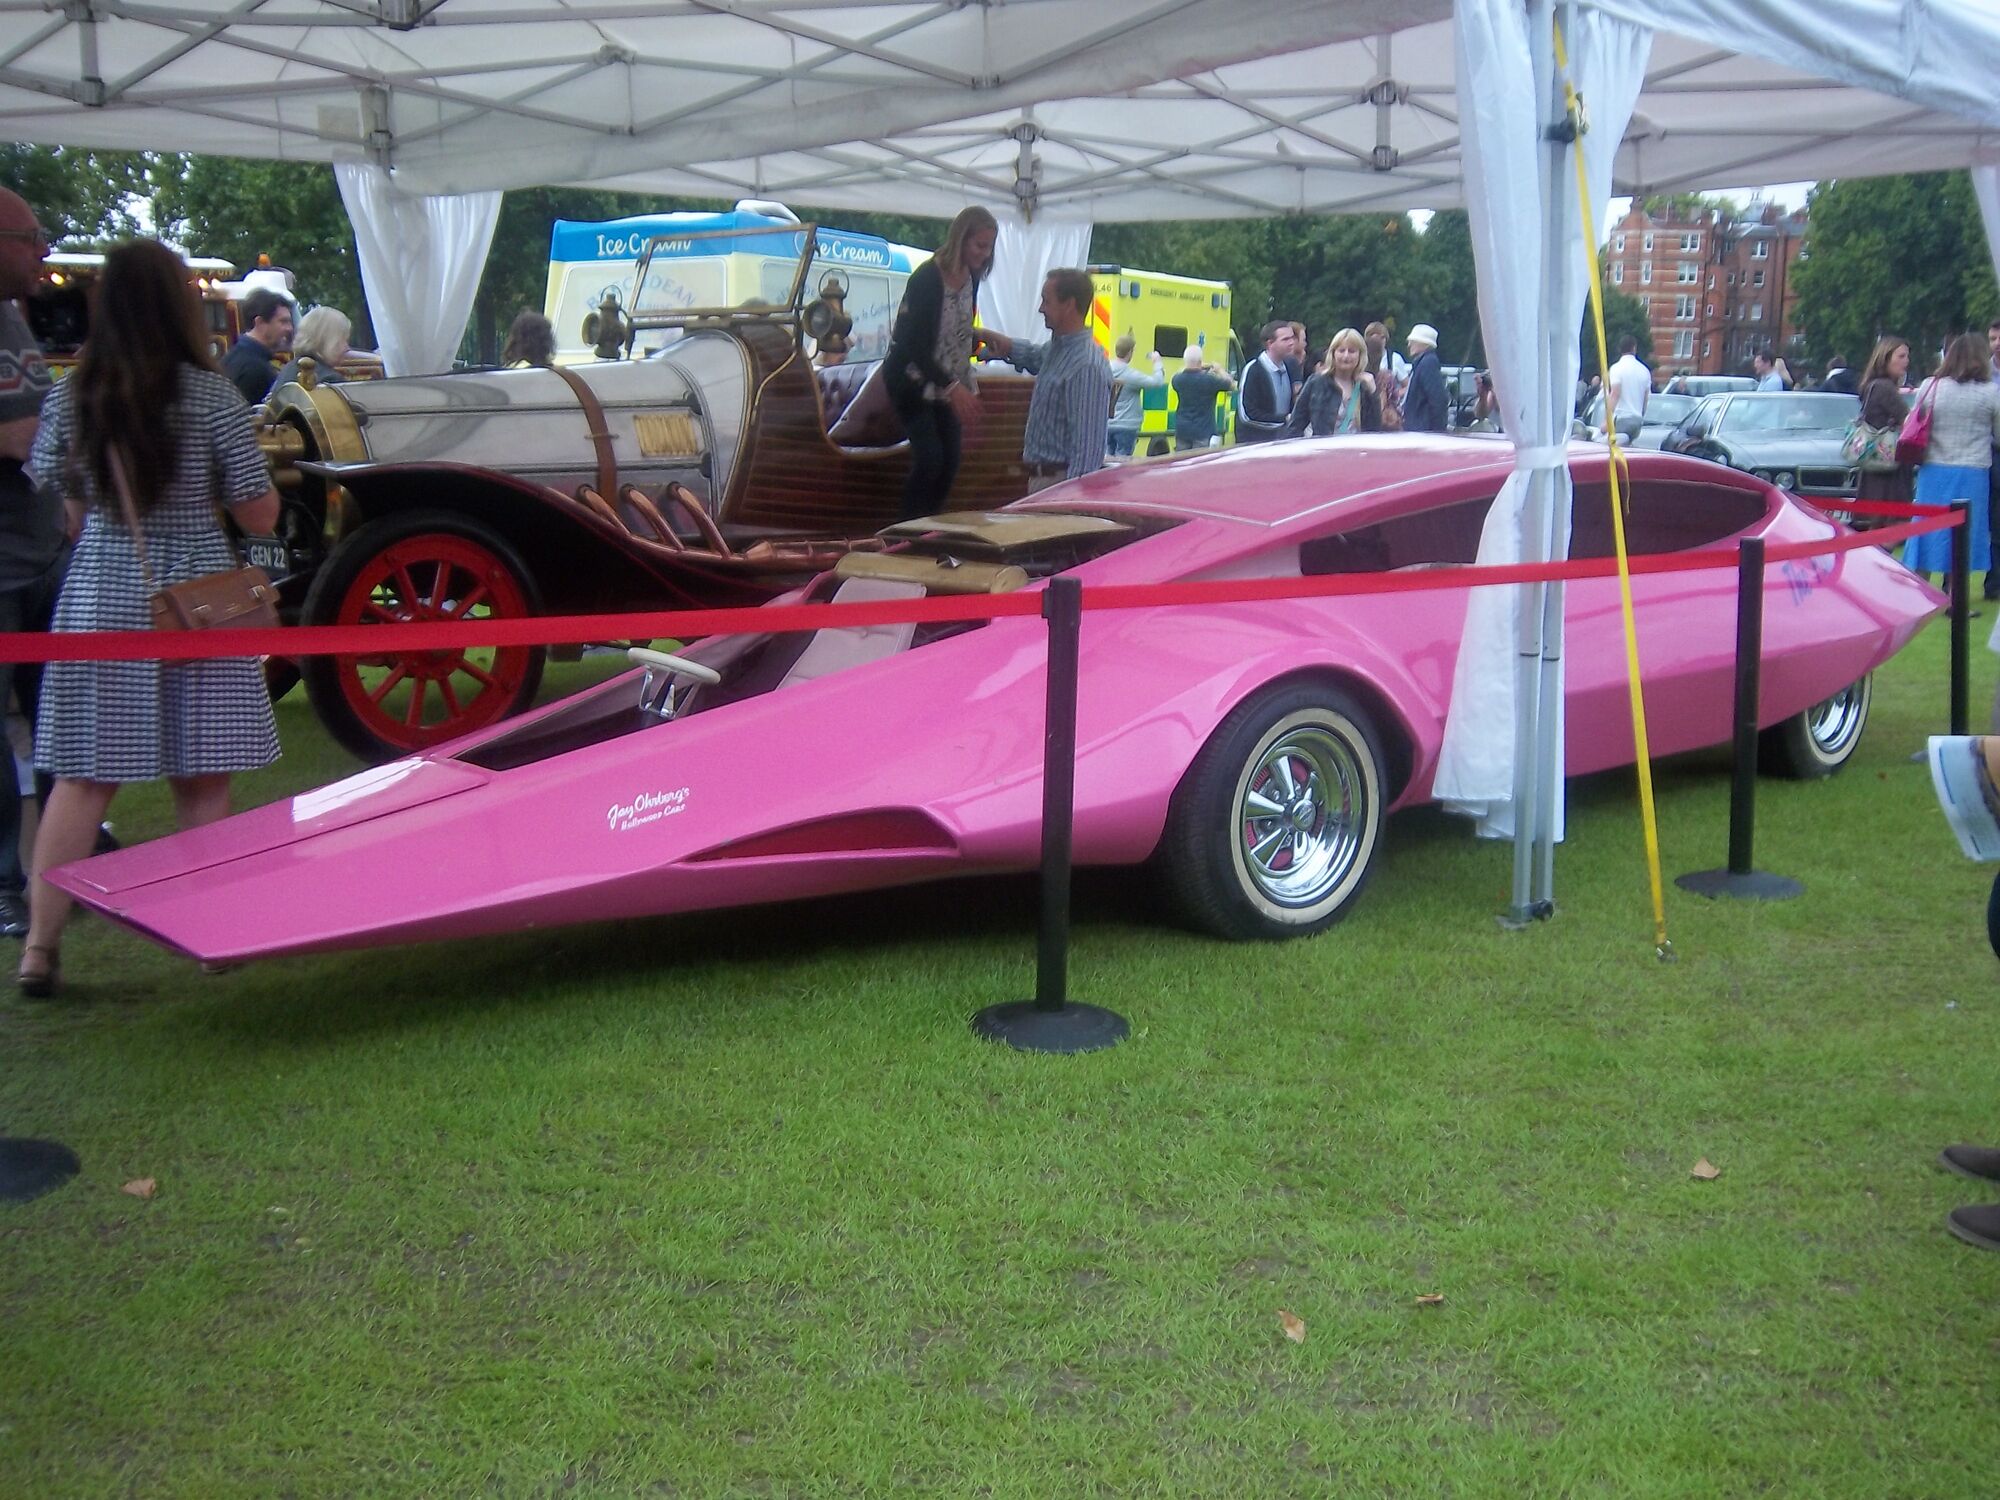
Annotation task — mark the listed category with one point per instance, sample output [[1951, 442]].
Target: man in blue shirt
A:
[[1128, 409], [1070, 410]]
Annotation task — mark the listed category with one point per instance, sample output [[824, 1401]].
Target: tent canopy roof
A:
[[1098, 109]]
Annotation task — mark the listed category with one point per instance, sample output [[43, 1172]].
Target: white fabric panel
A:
[[1023, 256], [1934, 53], [1531, 297], [1986, 188], [421, 258], [1200, 108]]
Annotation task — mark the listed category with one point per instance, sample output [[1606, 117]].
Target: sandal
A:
[[38, 980]]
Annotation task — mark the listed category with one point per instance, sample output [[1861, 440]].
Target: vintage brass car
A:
[[712, 465]]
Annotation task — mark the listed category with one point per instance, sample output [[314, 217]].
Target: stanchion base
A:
[[30, 1168], [1755, 885], [1027, 1027]]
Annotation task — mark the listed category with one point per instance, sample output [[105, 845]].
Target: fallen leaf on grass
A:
[[1295, 1328], [141, 1187], [1430, 1299], [1705, 1169]]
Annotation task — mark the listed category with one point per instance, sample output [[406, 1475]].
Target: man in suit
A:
[[1268, 387], [1426, 407]]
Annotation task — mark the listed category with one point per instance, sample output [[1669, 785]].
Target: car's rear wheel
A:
[[1278, 823], [407, 569], [1820, 740]]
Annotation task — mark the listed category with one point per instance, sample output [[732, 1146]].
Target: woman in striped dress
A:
[[147, 387]]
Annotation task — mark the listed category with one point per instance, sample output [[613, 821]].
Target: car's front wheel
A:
[[1278, 823], [1820, 740], [419, 567]]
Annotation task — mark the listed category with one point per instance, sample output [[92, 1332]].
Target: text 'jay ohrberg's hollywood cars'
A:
[[1253, 750]]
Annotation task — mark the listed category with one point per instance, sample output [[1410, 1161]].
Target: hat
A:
[[1424, 334]]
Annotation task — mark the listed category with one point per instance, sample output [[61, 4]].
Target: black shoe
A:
[[13, 914], [107, 841], [1978, 1225], [1972, 1161]]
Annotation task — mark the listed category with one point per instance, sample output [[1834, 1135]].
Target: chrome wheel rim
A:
[[1302, 816], [1834, 723]]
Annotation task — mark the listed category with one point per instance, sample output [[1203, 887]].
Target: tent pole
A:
[[1527, 675], [1531, 710], [1556, 349]]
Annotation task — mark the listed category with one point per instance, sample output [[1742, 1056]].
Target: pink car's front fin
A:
[[373, 793]]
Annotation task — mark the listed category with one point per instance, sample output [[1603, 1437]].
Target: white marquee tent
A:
[[1061, 113]]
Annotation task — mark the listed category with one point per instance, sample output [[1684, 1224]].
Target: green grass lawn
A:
[[736, 1204]]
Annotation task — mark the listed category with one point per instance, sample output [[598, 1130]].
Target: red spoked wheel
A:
[[411, 569]]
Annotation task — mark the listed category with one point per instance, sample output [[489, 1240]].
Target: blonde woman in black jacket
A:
[[1341, 397], [928, 370]]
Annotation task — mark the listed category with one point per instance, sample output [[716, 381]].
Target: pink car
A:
[[1253, 750]]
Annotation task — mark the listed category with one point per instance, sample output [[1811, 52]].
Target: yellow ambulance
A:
[[1165, 314]]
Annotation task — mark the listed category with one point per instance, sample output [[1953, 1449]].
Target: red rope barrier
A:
[[560, 630]]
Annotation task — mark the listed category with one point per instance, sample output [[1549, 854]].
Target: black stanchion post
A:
[[1049, 1023], [1741, 879], [1961, 613]]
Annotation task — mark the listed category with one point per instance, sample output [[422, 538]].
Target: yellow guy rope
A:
[[1574, 107]]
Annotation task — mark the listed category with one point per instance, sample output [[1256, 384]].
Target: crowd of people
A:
[[1354, 385], [1961, 397]]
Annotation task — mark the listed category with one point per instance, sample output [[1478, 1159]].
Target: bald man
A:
[[32, 545]]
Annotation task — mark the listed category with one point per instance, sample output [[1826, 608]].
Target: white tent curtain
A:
[[421, 258], [1986, 187], [1530, 253], [1023, 256]]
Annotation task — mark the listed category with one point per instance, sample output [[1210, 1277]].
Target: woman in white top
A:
[[1965, 424]]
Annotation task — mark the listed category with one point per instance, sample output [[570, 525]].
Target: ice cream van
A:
[[591, 266]]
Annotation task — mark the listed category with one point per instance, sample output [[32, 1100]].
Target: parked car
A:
[[1707, 385], [1251, 751], [1663, 413], [721, 471], [1791, 438]]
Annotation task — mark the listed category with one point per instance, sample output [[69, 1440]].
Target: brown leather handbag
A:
[[244, 598]]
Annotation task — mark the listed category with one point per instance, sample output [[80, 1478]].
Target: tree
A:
[[1624, 314], [1857, 278], [290, 211], [1445, 288], [80, 195], [1328, 271], [1232, 250], [516, 275]]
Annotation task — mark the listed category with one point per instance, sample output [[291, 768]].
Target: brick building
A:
[[1717, 289]]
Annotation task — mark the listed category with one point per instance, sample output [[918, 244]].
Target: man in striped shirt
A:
[[1072, 400]]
